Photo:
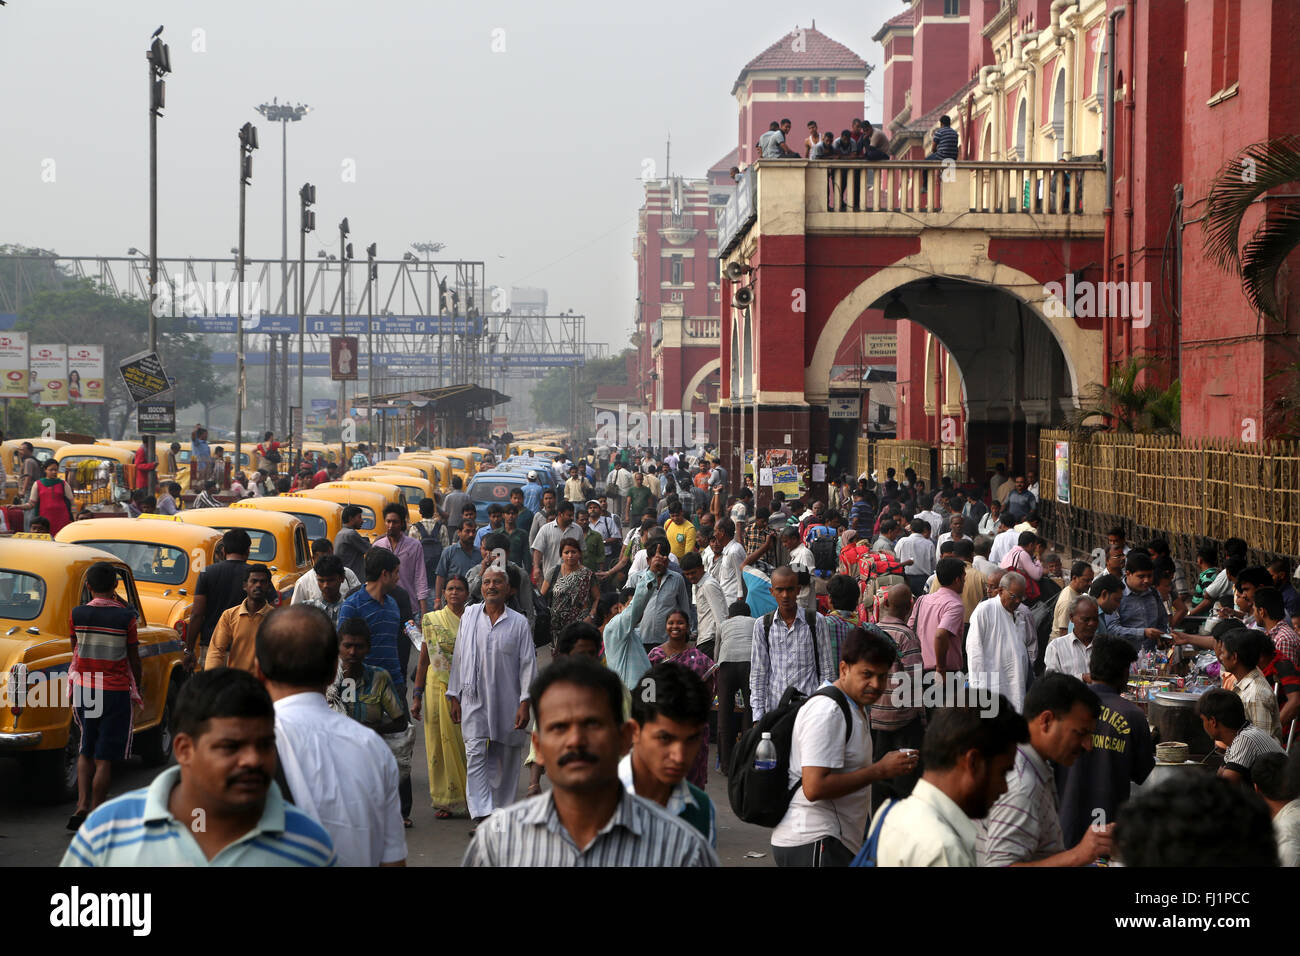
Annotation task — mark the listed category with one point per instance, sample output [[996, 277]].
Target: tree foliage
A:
[[1131, 403], [72, 311], [551, 396]]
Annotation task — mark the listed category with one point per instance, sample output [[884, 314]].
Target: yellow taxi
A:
[[42, 448], [414, 488], [165, 557], [460, 462], [321, 519], [97, 474], [371, 501], [40, 583], [436, 469], [327, 451], [391, 492], [278, 540]]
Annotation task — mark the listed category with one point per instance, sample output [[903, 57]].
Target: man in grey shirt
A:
[[546, 546], [454, 502], [522, 599], [350, 544], [668, 592]]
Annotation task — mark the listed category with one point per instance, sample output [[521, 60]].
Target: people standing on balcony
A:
[[869, 148], [773, 143], [944, 140]]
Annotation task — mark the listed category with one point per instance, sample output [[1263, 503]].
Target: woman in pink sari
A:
[[678, 650]]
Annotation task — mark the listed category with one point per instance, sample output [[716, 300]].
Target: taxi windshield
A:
[[263, 544], [21, 595], [314, 524], [152, 563]]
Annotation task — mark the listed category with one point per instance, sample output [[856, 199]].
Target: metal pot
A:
[[1173, 716]]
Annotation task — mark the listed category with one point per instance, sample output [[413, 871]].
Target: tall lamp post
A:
[[372, 273], [284, 114], [345, 253], [160, 64], [307, 223], [247, 143], [430, 249]]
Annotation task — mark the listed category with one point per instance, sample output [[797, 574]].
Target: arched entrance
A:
[[1021, 367]]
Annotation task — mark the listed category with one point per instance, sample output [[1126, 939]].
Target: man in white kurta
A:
[[1001, 644], [487, 694]]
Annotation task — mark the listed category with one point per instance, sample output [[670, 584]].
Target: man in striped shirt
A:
[[375, 604], [105, 672], [944, 140], [588, 819], [1223, 716], [791, 648], [1024, 826], [225, 745]]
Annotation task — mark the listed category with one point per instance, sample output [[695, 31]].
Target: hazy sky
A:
[[528, 158]]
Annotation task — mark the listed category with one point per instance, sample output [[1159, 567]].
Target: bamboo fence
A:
[[1189, 490]]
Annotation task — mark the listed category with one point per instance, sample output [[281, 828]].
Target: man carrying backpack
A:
[[831, 764], [431, 532], [791, 647]]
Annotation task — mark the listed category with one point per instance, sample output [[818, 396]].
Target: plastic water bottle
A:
[[765, 754]]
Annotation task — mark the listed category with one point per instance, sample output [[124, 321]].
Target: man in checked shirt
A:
[[1024, 826]]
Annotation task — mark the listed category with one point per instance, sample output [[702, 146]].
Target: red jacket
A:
[[143, 467]]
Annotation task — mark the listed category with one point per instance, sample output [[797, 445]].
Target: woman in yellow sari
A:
[[444, 747]]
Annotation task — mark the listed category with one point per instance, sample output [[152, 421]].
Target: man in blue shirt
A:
[[1142, 618], [496, 522], [457, 559], [533, 493], [227, 780], [374, 604]]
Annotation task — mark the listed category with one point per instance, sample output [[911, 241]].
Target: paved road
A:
[[35, 835]]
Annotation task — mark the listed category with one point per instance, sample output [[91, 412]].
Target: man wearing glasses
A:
[[1001, 644]]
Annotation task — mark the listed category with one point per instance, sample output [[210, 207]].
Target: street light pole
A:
[[160, 65], [247, 143], [284, 114], [307, 223], [372, 273], [345, 253]]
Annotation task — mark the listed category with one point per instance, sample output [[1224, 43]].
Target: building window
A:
[[798, 84], [830, 86], [816, 84], [780, 85], [1224, 44], [951, 8], [676, 276]]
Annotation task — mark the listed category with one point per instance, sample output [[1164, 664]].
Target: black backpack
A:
[[761, 797], [432, 549], [825, 556]]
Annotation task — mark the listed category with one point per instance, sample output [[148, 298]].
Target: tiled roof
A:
[[819, 52], [904, 19]]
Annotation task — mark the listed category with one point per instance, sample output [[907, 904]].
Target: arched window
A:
[[1022, 131], [1058, 115]]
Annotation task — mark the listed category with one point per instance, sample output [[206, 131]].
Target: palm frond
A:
[[1261, 258], [1261, 166]]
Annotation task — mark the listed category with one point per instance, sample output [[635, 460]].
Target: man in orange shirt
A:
[[234, 639]]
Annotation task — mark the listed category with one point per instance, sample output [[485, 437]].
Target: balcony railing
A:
[[1041, 189], [703, 331]]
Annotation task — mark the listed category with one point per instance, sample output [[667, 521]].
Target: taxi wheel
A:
[[51, 775], [155, 744]]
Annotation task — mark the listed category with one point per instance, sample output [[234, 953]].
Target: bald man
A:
[[337, 770], [1002, 643]]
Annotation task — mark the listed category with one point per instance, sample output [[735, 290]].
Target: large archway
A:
[[1015, 299]]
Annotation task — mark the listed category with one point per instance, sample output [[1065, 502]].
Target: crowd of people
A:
[[926, 682], [861, 140]]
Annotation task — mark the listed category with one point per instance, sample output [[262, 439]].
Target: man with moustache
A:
[[225, 749], [588, 819]]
